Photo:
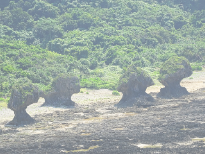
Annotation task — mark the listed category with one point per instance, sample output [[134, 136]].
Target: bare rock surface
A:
[[172, 126], [171, 74], [133, 84], [63, 87]]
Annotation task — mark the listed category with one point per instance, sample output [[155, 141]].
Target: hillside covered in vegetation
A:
[[96, 39]]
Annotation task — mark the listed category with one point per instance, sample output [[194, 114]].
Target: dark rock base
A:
[[172, 92], [143, 100], [21, 118], [59, 102]]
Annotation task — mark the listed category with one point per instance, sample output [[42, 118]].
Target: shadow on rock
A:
[[133, 84], [172, 92], [143, 100]]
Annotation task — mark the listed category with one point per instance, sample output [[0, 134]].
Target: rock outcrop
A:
[[171, 73], [133, 84], [62, 88], [22, 95]]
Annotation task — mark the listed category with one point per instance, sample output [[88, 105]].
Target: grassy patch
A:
[[3, 102], [196, 66], [104, 78], [3, 105]]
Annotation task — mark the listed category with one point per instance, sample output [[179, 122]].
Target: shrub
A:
[[196, 67], [95, 83], [116, 93], [132, 69], [8, 68], [172, 65], [6, 100]]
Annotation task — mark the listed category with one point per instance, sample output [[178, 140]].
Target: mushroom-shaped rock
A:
[[62, 88], [133, 84], [171, 73], [22, 95]]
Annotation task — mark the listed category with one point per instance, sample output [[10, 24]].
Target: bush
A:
[[8, 68], [116, 93], [196, 67], [95, 83], [6, 100], [172, 65]]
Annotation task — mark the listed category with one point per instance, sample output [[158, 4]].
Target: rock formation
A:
[[171, 73], [133, 84], [22, 95], [62, 88]]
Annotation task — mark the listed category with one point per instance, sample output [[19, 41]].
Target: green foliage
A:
[[196, 67], [132, 69], [4, 100], [63, 76], [172, 65], [24, 86], [113, 32], [17, 19], [43, 9], [46, 89], [94, 83], [8, 68], [179, 21], [96, 39], [116, 93], [18, 60], [47, 29], [25, 63], [105, 78], [78, 52]]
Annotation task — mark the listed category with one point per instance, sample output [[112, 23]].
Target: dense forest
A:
[[96, 39]]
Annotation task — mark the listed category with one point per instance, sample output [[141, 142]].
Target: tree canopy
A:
[[41, 38]]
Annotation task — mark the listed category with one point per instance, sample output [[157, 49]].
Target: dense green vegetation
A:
[[133, 69], [25, 88], [173, 65], [96, 39]]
